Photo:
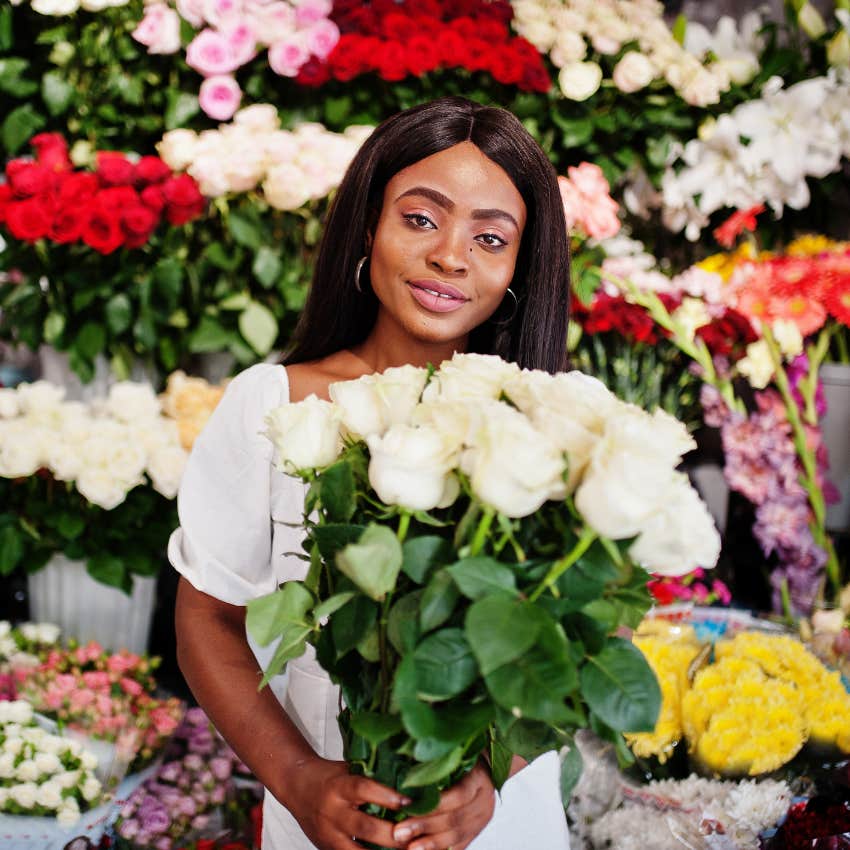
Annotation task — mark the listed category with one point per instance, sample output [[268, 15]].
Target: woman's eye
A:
[[419, 220], [492, 241]]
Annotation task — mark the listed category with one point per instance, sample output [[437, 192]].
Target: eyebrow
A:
[[448, 204]]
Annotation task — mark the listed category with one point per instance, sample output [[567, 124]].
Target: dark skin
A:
[[442, 236]]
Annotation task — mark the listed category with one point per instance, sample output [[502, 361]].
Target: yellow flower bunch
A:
[[813, 244], [750, 711], [190, 402]]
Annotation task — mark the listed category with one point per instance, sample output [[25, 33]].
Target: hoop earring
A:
[[513, 312], [360, 263]]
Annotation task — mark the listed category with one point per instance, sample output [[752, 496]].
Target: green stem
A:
[[841, 345], [588, 535], [383, 651], [403, 525], [482, 531], [786, 601], [808, 384]]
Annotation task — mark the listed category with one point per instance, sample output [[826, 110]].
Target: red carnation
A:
[[736, 224], [730, 331], [451, 47], [77, 187], [150, 169], [51, 151], [28, 179], [398, 27], [421, 54], [465, 27], [138, 222], [114, 169], [153, 198], [392, 62], [477, 54], [28, 220], [314, 72], [183, 199], [101, 230], [67, 224]]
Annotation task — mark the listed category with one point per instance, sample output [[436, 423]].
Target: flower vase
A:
[[65, 594], [835, 427], [54, 366]]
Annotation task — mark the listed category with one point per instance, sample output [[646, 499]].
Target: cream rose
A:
[[9, 406], [129, 401], [305, 434], [410, 466], [178, 148], [470, 376], [580, 80], [24, 794], [165, 468], [633, 72]]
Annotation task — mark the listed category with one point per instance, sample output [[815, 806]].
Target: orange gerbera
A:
[[808, 314]]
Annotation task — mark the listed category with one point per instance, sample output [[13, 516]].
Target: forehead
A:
[[463, 174]]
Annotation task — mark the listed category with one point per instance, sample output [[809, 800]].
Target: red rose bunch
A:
[[400, 39], [614, 313], [119, 204]]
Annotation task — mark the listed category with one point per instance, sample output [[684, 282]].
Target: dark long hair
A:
[[337, 316]]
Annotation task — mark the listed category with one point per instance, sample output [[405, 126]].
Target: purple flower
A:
[[193, 762], [163, 843], [221, 768], [155, 821], [128, 829], [200, 822], [170, 772]]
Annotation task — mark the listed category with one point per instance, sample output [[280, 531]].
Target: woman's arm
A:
[[223, 673]]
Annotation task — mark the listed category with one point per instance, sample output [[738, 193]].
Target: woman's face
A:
[[446, 243]]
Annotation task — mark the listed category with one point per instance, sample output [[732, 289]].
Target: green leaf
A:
[[11, 549], [620, 687], [221, 258], [267, 266], [168, 277], [109, 570], [332, 604], [54, 326], [337, 109], [337, 491], [438, 601], [374, 562], [6, 39], [333, 537], [181, 108], [292, 645], [528, 738], [403, 622], [423, 554], [119, 313], [19, 126], [209, 336], [572, 765], [445, 665], [480, 576], [374, 727], [501, 759], [268, 616], [237, 301], [500, 629], [56, 91], [70, 526], [244, 231], [352, 623], [13, 80], [433, 771], [369, 646], [90, 340], [259, 327]]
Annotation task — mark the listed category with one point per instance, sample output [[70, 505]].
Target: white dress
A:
[[238, 531]]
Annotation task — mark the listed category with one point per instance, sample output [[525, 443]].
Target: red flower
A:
[[361, 20], [478, 53], [5, 198], [421, 55], [429, 8], [384, 7], [465, 27], [28, 179], [505, 66], [314, 72], [101, 230], [736, 224], [28, 220], [67, 224], [183, 199], [491, 30], [451, 47], [205, 844], [535, 77], [51, 151], [661, 591], [729, 333], [352, 56], [398, 27], [392, 62], [150, 169], [114, 169], [77, 187], [138, 222], [153, 198], [116, 198]]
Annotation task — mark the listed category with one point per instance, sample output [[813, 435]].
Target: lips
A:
[[436, 296]]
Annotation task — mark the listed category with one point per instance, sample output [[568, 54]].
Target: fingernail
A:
[[402, 833], [404, 801]]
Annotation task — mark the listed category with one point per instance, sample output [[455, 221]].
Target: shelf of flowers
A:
[[88, 747]]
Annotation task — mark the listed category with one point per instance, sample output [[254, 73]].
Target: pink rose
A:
[[240, 36], [588, 179], [587, 204], [96, 679], [191, 11], [571, 200], [216, 12], [322, 38], [219, 97], [600, 218], [159, 30], [273, 22], [131, 686], [309, 12], [210, 54], [287, 56]]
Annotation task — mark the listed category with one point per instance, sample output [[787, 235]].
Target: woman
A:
[[447, 234]]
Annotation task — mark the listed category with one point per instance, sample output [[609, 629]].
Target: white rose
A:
[[27, 771], [90, 788], [539, 32], [410, 466], [7, 765], [39, 396], [49, 795], [102, 488], [680, 535], [47, 632], [7, 646], [580, 80], [569, 47], [67, 779], [69, 813], [9, 406], [259, 117], [305, 434], [633, 72], [757, 365], [456, 421], [12, 745], [165, 468], [373, 403], [24, 794], [55, 7], [629, 471], [512, 467], [15, 711], [286, 187], [178, 148], [21, 449], [47, 763], [469, 377], [132, 402]]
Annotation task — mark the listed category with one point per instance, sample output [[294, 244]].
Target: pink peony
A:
[[159, 29], [211, 55], [219, 97], [287, 56]]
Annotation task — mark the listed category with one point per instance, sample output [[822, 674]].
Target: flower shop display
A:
[[459, 603], [189, 401]]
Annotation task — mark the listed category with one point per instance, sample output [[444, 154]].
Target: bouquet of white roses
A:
[[476, 536]]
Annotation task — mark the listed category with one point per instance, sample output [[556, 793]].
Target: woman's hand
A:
[[464, 810], [325, 799]]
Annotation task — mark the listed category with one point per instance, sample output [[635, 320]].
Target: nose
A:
[[447, 252]]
